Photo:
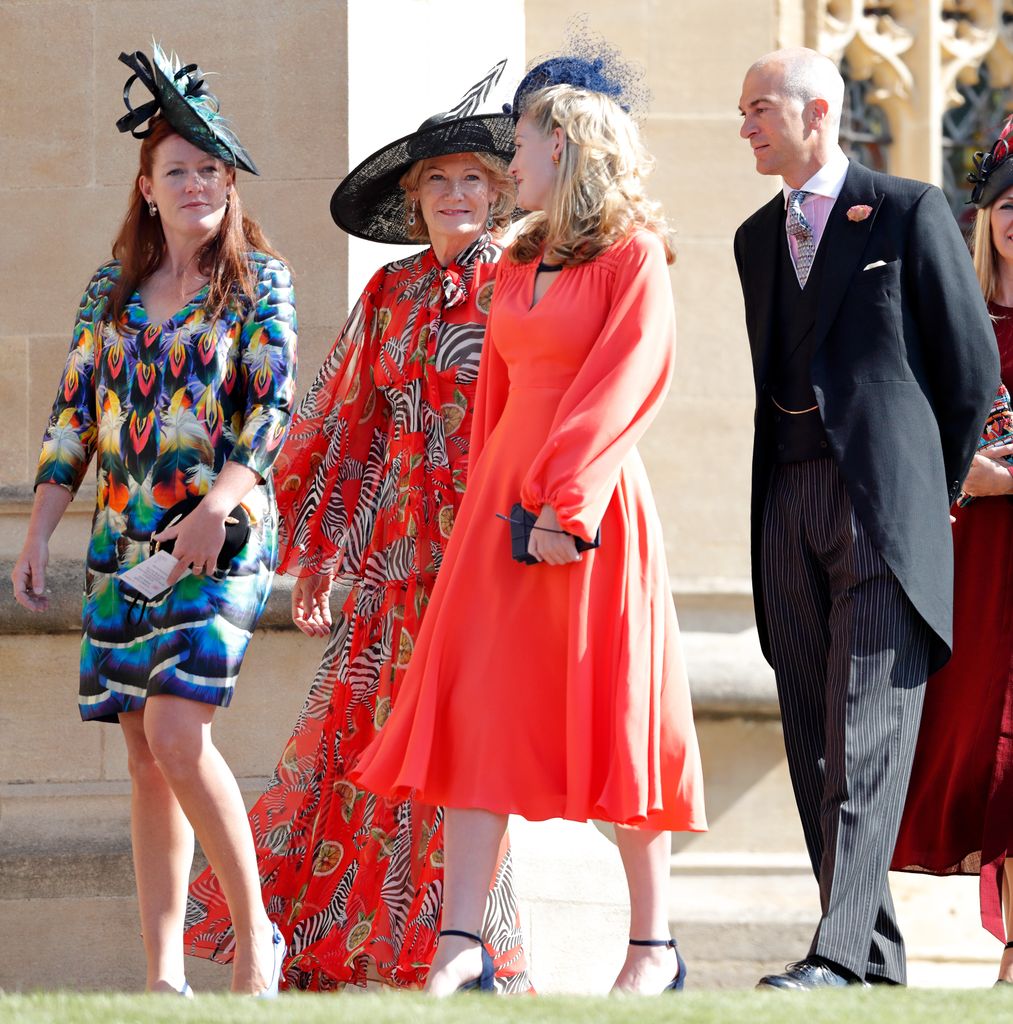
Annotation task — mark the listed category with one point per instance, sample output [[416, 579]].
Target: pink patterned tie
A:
[[800, 229]]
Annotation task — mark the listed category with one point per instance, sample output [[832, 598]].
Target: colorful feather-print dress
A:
[[164, 407], [369, 483]]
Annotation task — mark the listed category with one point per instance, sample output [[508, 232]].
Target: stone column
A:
[[917, 120], [398, 78]]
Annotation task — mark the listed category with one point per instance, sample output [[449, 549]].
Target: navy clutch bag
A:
[[522, 522]]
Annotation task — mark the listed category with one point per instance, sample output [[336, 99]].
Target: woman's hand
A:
[[988, 477], [199, 537], [29, 575], [552, 548], [311, 610], [198, 540]]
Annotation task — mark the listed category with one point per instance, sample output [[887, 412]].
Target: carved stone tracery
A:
[[922, 59], [969, 31], [874, 42]]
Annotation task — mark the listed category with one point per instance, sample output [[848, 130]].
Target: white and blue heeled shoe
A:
[[279, 950]]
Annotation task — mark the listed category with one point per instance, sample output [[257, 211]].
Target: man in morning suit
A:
[[875, 367]]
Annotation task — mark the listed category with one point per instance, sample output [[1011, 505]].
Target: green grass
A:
[[920, 1006]]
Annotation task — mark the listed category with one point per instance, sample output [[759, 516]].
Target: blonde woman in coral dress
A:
[[558, 689]]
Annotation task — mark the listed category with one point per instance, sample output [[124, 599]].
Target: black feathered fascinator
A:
[[589, 62], [369, 202], [993, 171], [180, 95]]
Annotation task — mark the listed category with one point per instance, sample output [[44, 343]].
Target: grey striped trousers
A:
[[850, 658]]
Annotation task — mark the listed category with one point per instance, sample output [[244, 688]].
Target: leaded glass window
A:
[[967, 128], [865, 128]]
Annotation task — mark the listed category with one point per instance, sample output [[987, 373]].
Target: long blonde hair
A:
[[598, 194], [986, 259]]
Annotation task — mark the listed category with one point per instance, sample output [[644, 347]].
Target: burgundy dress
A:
[[959, 813]]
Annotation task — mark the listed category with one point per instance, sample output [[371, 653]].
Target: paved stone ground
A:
[[743, 901], [737, 916]]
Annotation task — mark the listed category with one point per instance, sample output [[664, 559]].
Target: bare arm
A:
[[29, 575]]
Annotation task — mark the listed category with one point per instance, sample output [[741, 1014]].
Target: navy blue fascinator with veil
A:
[[589, 62]]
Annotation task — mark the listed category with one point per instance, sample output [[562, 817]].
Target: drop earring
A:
[[411, 215], [489, 222], [152, 208]]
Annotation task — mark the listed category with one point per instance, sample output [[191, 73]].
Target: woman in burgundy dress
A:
[[959, 813]]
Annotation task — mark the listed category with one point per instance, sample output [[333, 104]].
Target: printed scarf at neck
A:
[[372, 421], [428, 497]]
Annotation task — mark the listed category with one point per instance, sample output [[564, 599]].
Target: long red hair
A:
[[140, 243]]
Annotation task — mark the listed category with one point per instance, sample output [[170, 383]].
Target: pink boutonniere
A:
[[860, 212]]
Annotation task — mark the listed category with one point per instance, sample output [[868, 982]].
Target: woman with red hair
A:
[[180, 379]]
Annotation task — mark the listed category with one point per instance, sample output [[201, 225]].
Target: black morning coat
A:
[[905, 370]]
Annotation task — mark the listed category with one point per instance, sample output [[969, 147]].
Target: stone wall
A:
[[65, 171], [313, 87], [697, 453]]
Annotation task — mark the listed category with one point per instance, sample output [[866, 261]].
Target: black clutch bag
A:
[[522, 522], [237, 530], [237, 533]]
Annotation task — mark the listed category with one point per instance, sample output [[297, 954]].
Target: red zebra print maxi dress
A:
[[369, 483]]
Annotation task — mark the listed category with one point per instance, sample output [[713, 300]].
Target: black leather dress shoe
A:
[[808, 974]]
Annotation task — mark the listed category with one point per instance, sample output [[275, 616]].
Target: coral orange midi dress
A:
[[557, 691]]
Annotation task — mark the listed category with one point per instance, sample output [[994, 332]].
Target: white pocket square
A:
[[872, 266]]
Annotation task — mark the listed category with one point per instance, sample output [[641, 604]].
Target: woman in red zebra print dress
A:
[[369, 485]]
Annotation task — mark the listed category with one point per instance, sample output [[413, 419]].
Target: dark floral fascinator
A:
[[993, 171], [182, 98], [589, 62], [369, 202]]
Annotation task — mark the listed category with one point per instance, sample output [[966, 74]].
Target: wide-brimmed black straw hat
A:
[[369, 202], [181, 97]]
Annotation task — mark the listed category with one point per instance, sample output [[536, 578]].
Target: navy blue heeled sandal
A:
[[486, 981], [676, 984]]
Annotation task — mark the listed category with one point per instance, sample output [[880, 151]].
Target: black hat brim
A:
[[369, 202], [218, 141]]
